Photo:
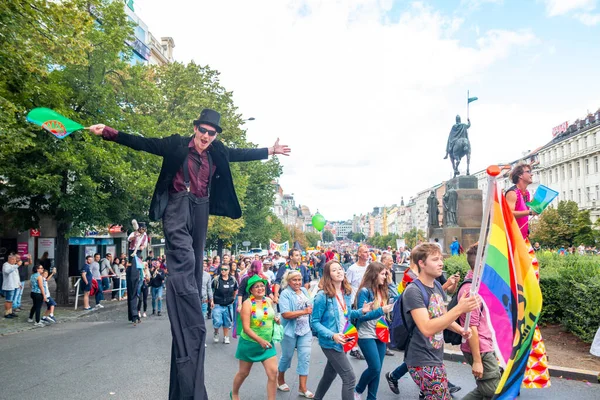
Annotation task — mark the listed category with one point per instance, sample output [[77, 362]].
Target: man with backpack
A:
[[424, 313], [479, 349]]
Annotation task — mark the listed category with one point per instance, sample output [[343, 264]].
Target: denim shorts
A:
[[50, 302], [10, 295], [221, 316]]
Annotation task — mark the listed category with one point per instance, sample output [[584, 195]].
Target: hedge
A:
[[570, 286]]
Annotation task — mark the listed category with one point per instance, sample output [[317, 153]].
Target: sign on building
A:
[[560, 128]]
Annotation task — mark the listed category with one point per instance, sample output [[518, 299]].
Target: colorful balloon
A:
[[318, 221]]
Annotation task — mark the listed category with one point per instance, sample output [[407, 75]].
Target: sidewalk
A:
[[62, 313]]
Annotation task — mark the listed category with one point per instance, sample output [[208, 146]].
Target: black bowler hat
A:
[[210, 117]]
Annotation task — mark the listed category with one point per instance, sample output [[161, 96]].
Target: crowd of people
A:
[[263, 300]]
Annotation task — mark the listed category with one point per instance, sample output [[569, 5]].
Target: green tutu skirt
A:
[[251, 351]]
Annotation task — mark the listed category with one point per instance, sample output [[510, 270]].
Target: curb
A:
[[83, 313], [557, 372]]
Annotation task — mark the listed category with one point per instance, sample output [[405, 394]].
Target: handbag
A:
[[277, 332]]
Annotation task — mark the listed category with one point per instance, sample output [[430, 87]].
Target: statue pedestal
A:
[[469, 212]]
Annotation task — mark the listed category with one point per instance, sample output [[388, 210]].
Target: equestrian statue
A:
[[458, 145]]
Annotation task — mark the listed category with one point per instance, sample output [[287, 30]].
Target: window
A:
[[597, 192], [550, 176], [578, 196], [577, 170], [564, 196], [570, 170], [570, 195], [587, 166], [588, 193], [567, 149], [595, 163], [562, 172]]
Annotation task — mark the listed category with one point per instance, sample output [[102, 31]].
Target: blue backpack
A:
[[400, 332]]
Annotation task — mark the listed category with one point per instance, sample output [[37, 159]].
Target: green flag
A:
[[472, 99], [53, 122]]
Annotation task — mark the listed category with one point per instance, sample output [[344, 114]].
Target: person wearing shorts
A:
[[225, 288], [10, 284]]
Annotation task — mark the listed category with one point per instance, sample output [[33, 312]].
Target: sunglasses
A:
[[209, 131], [224, 269]]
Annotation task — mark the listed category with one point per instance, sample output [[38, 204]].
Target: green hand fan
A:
[[53, 122]]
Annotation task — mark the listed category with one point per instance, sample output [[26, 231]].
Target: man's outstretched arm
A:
[[151, 145]]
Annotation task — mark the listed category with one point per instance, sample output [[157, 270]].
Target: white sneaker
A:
[[46, 320], [216, 339], [144, 315], [226, 340], [39, 325], [29, 320], [99, 305]]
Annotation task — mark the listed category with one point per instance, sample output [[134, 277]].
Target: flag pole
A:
[[492, 171], [468, 104]]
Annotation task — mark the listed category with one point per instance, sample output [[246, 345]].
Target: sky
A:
[[365, 92]]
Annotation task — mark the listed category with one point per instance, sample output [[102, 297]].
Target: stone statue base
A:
[[469, 212]]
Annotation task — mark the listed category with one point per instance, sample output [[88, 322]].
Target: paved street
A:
[[100, 356]]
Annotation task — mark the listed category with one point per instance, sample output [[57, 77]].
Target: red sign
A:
[[115, 229], [34, 232], [560, 128]]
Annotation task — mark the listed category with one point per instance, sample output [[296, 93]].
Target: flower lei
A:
[[265, 311]]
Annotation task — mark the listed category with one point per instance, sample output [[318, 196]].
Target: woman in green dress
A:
[[256, 341]]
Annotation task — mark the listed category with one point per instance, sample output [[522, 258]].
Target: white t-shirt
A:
[[355, 274], [270, 275]]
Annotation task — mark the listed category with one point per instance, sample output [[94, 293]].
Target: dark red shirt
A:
[[197, 167]]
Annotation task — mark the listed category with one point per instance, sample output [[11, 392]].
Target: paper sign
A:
[[46, 245]]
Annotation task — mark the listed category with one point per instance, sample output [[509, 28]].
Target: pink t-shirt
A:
[[478, 319], [523, 222]]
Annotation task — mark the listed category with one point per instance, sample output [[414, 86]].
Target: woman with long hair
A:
[[234, 272], [37, 295], [224, 289], [330, 316], [373, 288], [256, 341], [295, 308]]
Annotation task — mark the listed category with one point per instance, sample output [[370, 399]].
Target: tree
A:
[[411, 237], [565, 225], [328, 236], [297, 236], [358, 237], [312, 238]]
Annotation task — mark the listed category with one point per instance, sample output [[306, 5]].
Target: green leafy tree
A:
[[565, 225], [328, 236], [358, 237], [411, 237], [312, 238]]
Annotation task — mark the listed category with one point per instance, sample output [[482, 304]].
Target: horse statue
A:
[[458, 145]]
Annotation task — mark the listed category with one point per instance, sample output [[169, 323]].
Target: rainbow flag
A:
[[542, 197], [512, 296], [382, 330]]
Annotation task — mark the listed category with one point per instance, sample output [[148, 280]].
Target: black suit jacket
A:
[[173, 149]]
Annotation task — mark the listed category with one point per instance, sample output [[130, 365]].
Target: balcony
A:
[[139, 47]]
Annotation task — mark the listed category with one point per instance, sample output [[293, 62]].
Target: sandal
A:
[[308, 394], [283, 388]]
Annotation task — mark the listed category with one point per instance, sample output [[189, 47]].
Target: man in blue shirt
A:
[[295, 259], [455, 246]]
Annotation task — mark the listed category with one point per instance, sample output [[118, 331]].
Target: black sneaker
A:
[[392, 383], [9, 316], [357, 354], [158, 314], [421, 395], [453, 388]]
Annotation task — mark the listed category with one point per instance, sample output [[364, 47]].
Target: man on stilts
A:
[[195, 181], [138, 240]]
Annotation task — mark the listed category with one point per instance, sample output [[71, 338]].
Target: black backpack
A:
[[400, 333], [450, 336]]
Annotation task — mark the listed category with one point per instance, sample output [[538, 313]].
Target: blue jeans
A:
[[157, 294], [18, 296], [204, 309], [400, 371], [222, 316], [303, 344], [103, 284], [374, 352], [123, 287]]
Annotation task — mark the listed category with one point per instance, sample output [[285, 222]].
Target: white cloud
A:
[[365, 104], [588, 19], [561, 7]]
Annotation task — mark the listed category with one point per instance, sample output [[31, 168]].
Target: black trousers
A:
[[132, 277], [185, 223], [143, 298], [116, 285], [36, 308]]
